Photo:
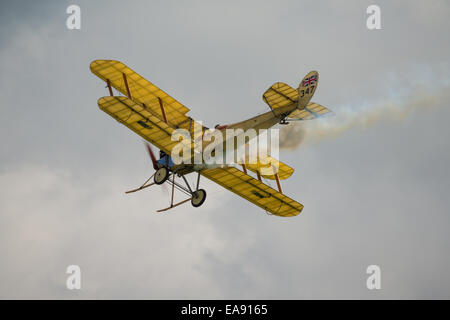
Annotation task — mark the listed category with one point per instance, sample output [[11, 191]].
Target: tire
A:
[[161, 175], [198, 198]]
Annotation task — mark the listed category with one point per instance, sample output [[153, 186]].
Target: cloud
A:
[[372, 196], [49, 222]]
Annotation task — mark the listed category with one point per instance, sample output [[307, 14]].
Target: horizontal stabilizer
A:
[[311, 111]]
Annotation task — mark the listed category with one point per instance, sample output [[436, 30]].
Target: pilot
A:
[[164, 159]]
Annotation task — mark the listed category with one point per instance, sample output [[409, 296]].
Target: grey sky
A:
[[372, 195]]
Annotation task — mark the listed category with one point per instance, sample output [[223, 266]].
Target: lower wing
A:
[[254, 191]]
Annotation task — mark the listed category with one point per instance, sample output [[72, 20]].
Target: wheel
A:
[[161, 175], [198, 198]]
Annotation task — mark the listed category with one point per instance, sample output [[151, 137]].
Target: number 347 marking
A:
[[310, 90]]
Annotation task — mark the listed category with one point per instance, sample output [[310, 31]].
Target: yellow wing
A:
[[145, 94], [140, 120], [254, 191], [140, 90], [311, 111], [268, 166], [280, 95]]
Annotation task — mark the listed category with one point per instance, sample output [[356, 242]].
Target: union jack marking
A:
[[309, 81]]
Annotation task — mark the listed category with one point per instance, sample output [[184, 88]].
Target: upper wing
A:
[[254, 191], [141, 90], [268, 166], [280, 95], [140, 120], [312, 110]]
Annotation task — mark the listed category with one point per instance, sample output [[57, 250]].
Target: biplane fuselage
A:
[[270, 118], [276, 115], [257, 123]]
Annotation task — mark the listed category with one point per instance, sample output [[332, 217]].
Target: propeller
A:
[[152, 156]]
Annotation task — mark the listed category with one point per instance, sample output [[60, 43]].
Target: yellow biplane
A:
[[154, 115]]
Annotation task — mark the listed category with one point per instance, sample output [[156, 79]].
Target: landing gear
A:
[[161, 175], [283, 119], [198, 197]]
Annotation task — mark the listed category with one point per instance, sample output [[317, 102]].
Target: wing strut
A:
[[278, 182], [126, 85], [258, 175], [277, 178], [162, 109], [108, 84]]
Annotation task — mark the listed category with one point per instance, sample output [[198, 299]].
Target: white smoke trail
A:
[[313, 131]]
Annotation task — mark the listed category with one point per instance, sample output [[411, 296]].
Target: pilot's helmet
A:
[[162, 154]]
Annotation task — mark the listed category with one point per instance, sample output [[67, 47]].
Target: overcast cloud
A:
[[376, 193]]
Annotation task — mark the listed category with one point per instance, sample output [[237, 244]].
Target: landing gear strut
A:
[[167, 173]]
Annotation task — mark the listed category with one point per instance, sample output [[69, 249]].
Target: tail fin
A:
[[281, 95], [306, 89]]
